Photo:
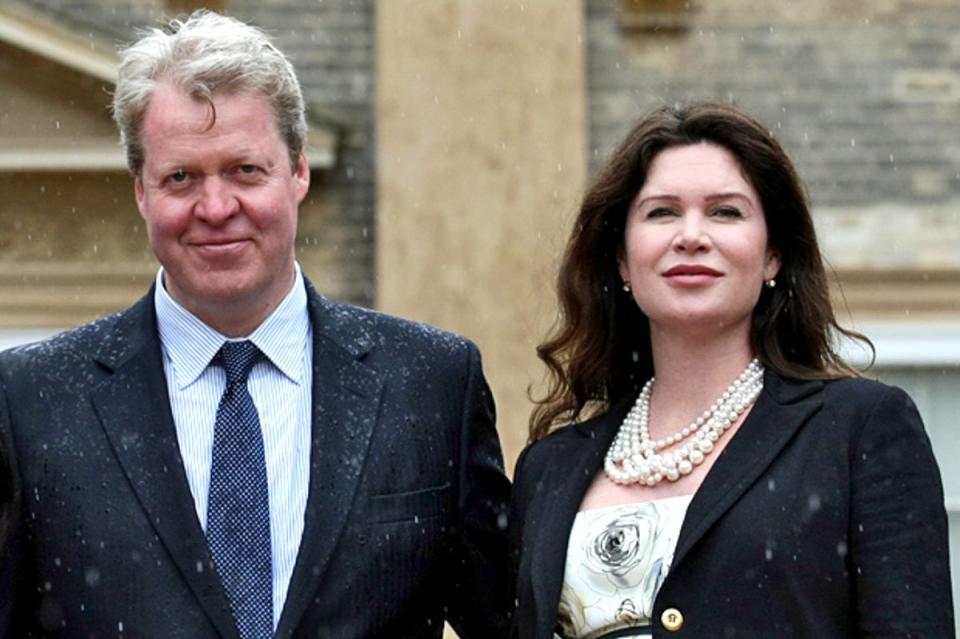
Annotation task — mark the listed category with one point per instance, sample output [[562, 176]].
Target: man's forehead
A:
[[180, 108], [171, 90]]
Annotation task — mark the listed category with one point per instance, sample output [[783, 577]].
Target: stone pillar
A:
[[481, 161]]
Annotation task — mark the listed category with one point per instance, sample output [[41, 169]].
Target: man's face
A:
[[220, 202]]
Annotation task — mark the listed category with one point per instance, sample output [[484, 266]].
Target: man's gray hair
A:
[[205, 53]]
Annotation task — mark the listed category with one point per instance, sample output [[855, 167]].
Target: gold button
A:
[[672, 619]]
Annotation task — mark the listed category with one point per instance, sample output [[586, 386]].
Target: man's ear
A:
[[302, 174], [139, 194]]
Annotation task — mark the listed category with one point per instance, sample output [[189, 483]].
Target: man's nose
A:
[[217, 201]]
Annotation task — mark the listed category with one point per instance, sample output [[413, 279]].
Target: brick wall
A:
[[865, 96]]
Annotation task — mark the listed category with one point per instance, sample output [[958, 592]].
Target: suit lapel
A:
[[346, 403], [134, 410], [569, 479], [782, 408]]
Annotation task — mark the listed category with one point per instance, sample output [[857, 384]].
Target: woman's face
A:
[[695, 247]]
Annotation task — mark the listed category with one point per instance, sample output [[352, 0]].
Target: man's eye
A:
[[179, 177], [247, 169]]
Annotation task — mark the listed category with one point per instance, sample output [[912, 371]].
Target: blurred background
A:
[[451, 141]]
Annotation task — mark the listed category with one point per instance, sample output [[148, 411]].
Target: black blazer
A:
[[404, 518], [822, 518]]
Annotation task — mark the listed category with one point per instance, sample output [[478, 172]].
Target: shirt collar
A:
[[190, 344]]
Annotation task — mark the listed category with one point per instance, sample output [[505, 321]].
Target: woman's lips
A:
[[691, 274]]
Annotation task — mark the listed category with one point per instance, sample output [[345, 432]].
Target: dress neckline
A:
[[677, 498]]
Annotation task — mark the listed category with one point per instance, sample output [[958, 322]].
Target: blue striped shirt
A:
[[280, 385]]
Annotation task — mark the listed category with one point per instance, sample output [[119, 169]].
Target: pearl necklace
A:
[[634, 458]]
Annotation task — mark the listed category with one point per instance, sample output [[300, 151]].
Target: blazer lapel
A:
[[569, 482], [134, 410], [346, 403], [783, 407]]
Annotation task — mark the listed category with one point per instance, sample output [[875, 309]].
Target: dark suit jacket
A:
[[405, 518], [822, 518]]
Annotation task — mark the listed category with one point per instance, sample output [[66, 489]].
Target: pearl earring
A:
[[770, 283], [626, 287]]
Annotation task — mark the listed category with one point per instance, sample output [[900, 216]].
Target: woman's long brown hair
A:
[[599, 349]]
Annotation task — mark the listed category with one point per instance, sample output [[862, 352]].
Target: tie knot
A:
[[238, 359]]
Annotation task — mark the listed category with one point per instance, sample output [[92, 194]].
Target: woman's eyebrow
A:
[[727, 196], [657, 196]]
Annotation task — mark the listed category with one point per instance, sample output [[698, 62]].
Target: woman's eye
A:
[[659, 212], [728, 211]]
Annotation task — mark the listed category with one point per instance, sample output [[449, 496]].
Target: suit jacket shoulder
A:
[[561, 447], [78, 357], [361, 330], [866, 401]]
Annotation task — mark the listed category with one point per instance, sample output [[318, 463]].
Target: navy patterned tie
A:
[[238, 512]]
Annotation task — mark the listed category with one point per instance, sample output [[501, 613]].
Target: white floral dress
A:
[[617, 558]]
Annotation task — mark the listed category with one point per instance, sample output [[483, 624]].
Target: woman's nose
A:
[[692, 236]]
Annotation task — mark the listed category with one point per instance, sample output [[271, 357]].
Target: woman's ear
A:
[[622, 267], [773, 264]]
